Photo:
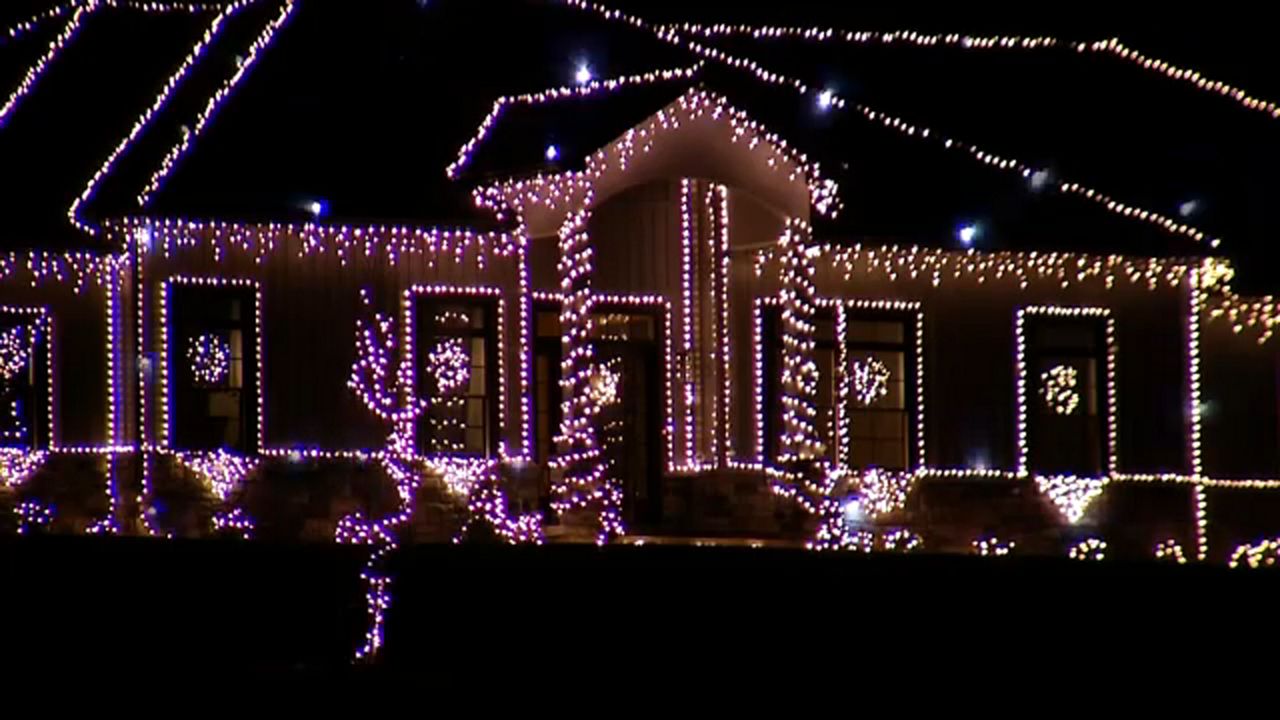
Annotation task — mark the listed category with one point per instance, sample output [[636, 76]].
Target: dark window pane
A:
[[213, 368], [24, 381], [881, 367], [1066, 395]]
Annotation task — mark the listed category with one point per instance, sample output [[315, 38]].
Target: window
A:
[[458, 375], [824, 356], [213, 367], [1066, 394], [546, 378], [880, 356], [24, 381]]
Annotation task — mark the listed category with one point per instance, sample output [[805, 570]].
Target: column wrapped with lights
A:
[[801, 476], [800, 440], [688, 293], [581, 480]]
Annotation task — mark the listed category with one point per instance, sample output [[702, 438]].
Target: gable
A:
[[699, 135]]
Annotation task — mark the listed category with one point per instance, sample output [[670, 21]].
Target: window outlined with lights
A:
[[453, 344], [1065, 361], [882, 378], [211, 364], [26, 379]]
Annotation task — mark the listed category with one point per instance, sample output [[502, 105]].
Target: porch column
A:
[[587, 498], [802, 477]]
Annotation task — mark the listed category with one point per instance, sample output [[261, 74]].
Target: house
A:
[[671, 341]]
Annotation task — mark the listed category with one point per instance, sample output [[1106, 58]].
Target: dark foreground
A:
[[126, 605]]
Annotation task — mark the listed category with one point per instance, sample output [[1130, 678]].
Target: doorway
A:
[[627, 340]]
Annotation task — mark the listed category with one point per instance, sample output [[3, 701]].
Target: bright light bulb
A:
[[583, 76], [825, 99], [553, 152], [967, 235], [316, 208]]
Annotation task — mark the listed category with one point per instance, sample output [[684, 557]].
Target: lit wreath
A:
[[870, 380], [450, 365], [210, 358], [1058, 387], [603, 385]]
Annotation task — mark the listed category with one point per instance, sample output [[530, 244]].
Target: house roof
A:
[[85, 99], [699, 134], [364, 105], [361, 106]]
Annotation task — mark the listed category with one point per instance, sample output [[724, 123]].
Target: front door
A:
[[627, 343], [630, 433]]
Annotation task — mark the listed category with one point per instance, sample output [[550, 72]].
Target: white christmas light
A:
[[1058, 388], [992, 546], [1089, 549], [870, 381], [17, 344], [673, 34], [1020, 364], [1263, 553], [236, 522], [449, 364], [167, 373], [1111, 46], [603, 387], [32, 514], [592, 87], [171, 159], [221, 472], [1070, 494], [1170, 550], [197, 52], [16, 466], [55, 46], [210, 358], [901, 541], [38, 19]]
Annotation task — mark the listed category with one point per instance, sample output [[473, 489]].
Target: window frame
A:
[[1027, 380], [41, 316], [911, 317], [494, 307], [252, 371]]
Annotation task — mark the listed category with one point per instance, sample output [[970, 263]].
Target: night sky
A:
[[363, 104]]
